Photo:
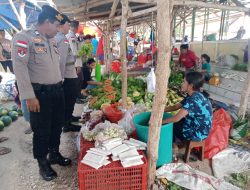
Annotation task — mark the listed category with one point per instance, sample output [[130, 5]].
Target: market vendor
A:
[[187, 58], [194, 119], [88, 83]]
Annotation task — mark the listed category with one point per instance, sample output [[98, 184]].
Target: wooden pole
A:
[[164, 10], [113, 9], [123, 51], [246, 90], [193, 25], [108, 46]]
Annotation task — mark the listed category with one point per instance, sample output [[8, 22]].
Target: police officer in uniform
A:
[[68, 71], [36, 66], [75, 47]]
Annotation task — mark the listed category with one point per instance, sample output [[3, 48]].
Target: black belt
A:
[[46, 87]]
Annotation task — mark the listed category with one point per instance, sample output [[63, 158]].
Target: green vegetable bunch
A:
[[86, 50]]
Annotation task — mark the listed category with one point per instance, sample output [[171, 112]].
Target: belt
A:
[[70, 63], [46, 87]]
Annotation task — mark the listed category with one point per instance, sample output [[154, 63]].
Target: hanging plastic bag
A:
[[229, 161], [217, 139], [151, 81]]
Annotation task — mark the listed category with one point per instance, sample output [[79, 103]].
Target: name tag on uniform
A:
[[37, 40], [41, 50]]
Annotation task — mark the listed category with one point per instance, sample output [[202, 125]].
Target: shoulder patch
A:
[[37, 40], [21, 51], [66, 41]]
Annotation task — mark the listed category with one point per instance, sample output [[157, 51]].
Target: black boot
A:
[[45, 170], [55, 157]]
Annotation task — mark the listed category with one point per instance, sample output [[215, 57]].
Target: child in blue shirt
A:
[[206, 66]]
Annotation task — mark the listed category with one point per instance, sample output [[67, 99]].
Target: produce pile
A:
[[7, 116], [110, 92]]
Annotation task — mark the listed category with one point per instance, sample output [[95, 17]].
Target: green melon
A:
[[6, 120], [3, 111], [14, 108], [20, 112], [1, 125], [13, 115]]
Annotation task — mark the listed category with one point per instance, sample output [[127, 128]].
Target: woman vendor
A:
[[88, 83], [187, 58], [194, 119]]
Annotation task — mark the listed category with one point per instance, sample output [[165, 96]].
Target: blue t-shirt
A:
[[198, 122], [95, 45]]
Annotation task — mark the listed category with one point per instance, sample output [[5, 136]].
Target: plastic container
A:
[[166, 136], [112, 176]]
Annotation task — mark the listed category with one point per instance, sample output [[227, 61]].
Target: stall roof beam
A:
[[114, 7]]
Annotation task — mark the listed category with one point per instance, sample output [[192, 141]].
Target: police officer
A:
[[36, 66], [75, 47], [68, 71]]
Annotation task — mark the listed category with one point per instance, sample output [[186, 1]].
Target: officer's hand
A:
[[78, 70], [33, 105], [99, 83]]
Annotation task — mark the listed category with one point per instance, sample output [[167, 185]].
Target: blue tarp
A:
[[6, 11]]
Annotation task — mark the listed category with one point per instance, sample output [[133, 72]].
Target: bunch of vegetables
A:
[[175, 79], [86, 50]]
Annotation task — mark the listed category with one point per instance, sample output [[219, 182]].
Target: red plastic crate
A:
[[112, 176]]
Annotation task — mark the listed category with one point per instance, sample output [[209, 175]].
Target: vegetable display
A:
[[110, 92]]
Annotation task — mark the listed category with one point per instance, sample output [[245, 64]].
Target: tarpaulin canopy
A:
[[7, 14]]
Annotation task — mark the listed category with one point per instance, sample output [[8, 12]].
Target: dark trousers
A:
[[47, 124], [178, 130], [70, 87], [7, 64]]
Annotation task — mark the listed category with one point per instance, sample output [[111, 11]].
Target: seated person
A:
[[88, 83], [206, 67], [187, 58], [194, 119]]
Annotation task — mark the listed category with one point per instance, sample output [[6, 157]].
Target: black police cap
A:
[[52, 13], [65, 19]]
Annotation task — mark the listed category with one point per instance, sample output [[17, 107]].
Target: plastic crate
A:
[[112, 176]]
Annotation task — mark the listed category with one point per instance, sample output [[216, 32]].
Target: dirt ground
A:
[[18, 169]]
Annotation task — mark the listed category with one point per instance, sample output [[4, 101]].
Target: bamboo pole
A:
[[193, 25], [114, 7], [123, 52], [164, 10], [246, 90]]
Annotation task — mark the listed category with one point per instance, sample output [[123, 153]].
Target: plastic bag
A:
[[185, 176], [126, 122], [112, 113], [151, 81], [230, 161], [217, 139]]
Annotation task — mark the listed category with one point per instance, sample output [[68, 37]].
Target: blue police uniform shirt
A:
[[198, 122]]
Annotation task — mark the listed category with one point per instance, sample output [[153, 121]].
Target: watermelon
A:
[[14, 108], [13, 115], [20, 112], [3, 111], [6, 120], [1, 125]]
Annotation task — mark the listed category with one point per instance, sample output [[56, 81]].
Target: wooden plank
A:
[[123, 51], [139, 13], [113, 9], [190, 3], [164, 15], [143, 1]]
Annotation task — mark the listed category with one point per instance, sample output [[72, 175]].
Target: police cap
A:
[[51, 13], [65, 19]]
